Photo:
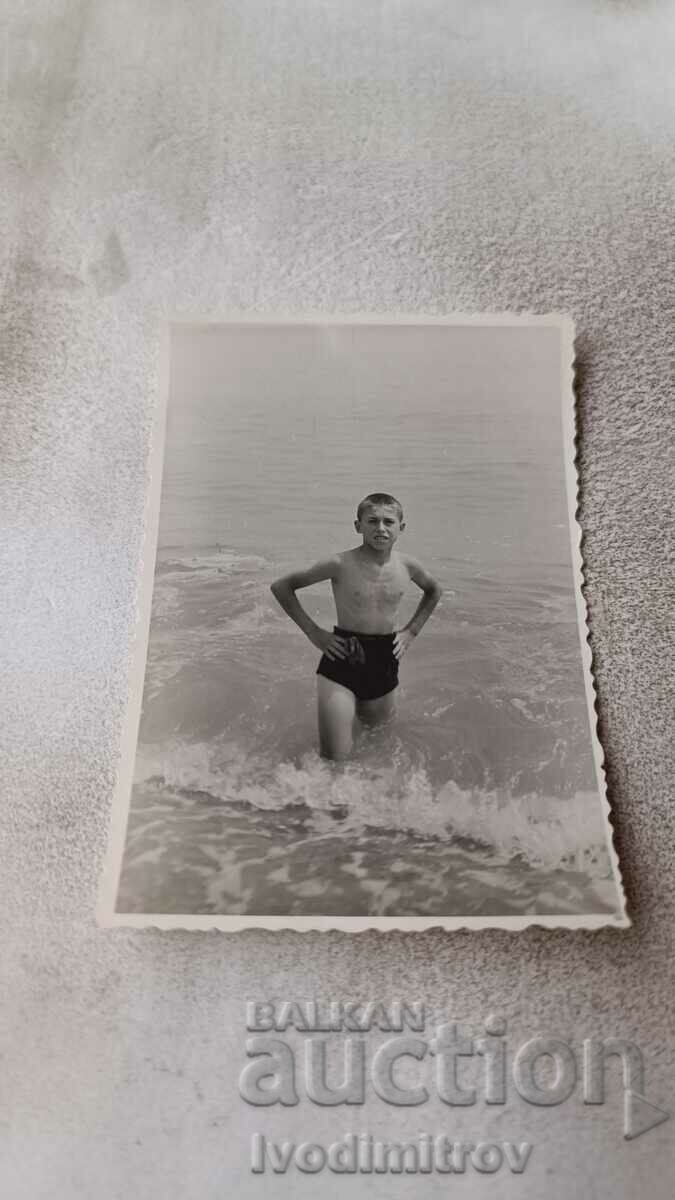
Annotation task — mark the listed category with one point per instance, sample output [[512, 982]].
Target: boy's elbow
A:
[[280, 588]]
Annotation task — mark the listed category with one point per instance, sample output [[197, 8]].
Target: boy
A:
[[358, 671]]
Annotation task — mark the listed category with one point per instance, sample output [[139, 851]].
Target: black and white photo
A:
[[367, 696]]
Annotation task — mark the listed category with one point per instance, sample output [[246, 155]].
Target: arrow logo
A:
[[639, 1115]]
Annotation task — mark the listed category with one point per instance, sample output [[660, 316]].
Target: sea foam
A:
[[546, 831]]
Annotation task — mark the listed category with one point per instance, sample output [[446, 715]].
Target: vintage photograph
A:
[[363, 692]]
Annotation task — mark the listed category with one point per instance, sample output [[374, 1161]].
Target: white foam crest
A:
[[249, 624], [211, 560], [548, 832], [182, 765]]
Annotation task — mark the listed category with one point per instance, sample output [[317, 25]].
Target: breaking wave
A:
[[552, 832]]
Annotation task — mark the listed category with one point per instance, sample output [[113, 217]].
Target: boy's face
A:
[[379, 526]]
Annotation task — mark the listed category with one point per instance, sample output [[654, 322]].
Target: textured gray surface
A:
[[330, 157]]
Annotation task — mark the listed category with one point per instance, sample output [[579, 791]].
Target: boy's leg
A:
[[337, 706], [377, 712]]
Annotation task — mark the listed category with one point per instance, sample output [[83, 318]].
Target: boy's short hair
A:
[[379, 498]]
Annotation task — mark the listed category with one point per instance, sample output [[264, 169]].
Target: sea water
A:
[[480, 798]]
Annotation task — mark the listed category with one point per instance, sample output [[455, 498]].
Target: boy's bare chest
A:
[[380, 587]]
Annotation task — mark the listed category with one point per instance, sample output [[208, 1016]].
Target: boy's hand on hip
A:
[[403, 640], [330, 644]]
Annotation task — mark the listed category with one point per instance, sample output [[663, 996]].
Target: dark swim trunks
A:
[[370, 671]]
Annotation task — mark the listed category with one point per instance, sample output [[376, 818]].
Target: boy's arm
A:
[[284, 590], [432, 593]]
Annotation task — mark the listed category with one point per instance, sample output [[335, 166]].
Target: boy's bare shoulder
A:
[[347, 558], [335, 564], [331, 565], [409, 562], [325, 568], [417, 572]]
